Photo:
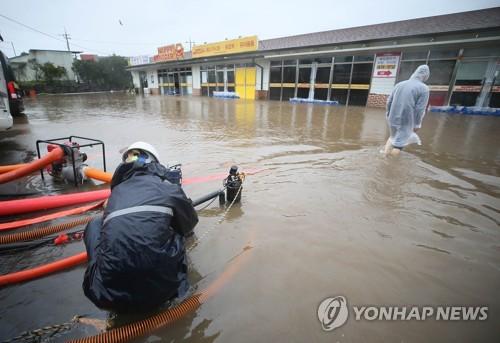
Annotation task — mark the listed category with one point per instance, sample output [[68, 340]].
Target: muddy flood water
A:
[[329, 215]]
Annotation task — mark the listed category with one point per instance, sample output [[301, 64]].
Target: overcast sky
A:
[[133, 28]]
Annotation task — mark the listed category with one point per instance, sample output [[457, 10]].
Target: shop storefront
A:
[[345, 79], [175, 81], [355, 67]]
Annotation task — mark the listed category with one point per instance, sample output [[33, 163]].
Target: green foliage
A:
[[51, 72], [106, 72], [36, 67], [19, 70]]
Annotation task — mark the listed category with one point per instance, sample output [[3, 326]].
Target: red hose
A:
[[29, 168], [42, 231], [12, 207], [30, 274], [24, 222], [133, 330], [8, 168]]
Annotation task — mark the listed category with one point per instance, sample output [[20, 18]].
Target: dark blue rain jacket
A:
[[136, 252]]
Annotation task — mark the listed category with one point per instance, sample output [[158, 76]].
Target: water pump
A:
[[234, 185], [69, 166]]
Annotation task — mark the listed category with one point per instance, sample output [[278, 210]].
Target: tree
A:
[[105, 73], [89, 72], [19, 69], [51, 72], [36, 67]]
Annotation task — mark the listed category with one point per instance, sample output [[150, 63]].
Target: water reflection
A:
[[330, 214]]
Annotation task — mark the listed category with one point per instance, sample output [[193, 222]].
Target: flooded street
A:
[[329, 215]]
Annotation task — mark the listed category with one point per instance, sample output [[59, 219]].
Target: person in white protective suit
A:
[[406, 108]]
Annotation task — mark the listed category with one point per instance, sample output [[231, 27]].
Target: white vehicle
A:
[[5, 117]]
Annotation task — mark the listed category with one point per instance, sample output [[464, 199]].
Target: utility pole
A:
[[191, 43], [12, 43], [67, 37]]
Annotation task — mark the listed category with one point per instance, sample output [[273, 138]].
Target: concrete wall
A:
[[195, 71], [267, 68], [380, 89], [135, 79], [382, 85], [26, 74], [58, 58], [152, 76]]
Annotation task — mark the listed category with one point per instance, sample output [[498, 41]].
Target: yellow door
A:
[[250, 83], [245, 82], [239, 79]]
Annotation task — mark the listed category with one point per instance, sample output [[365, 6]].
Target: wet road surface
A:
[[329, 216]]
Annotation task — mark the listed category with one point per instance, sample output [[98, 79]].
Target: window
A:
[[289, 74], [304, 75], [211, 76], [415, 55], [339, 95], [442, 54], [358, 97], [301, 93], [361, 73], [471, 73], [406, 69], [320, 93], [275, 93], [480, 52], [363, 58], [307, 61], [343, 59], [341, 73], [441, 72], [289, 93], [323, 75], [230, 76], [323, 60], [275, 76]]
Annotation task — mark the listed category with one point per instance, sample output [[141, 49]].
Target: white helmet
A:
[[144, 147]]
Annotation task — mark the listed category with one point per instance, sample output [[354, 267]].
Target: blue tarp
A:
[[469, 110], [226, 95], [313, 101]]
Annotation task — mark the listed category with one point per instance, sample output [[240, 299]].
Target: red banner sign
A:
[[169, 53]]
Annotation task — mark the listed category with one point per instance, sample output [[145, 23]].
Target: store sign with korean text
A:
[[232, 46], [169, 53], [138, 60], [386, 64]]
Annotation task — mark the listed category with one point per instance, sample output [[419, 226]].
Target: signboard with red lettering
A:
[[386, 64], [232, 46], [169, 53], [467, 88]]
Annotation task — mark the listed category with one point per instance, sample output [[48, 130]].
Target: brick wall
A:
[[377, 100], [260, 95]]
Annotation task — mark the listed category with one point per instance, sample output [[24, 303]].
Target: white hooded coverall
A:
[[406, 108]]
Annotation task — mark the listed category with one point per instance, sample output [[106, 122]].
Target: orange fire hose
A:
[[30, 221], [8, 168], [167, 317], [49, 268], [17, 173], [97, 174], [101, 175], [41, 232]]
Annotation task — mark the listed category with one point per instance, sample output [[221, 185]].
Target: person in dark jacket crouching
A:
[[136, 253]]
